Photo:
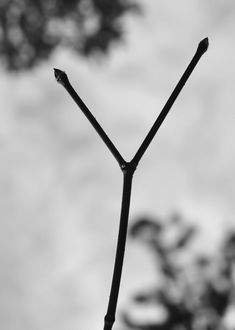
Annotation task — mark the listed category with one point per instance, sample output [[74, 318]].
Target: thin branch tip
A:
[[203, 45], [60, 76]]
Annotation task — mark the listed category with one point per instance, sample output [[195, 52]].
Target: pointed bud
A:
[[60, 76], [203, 45]]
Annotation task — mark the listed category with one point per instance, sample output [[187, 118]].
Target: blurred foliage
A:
[[31, 30], [193, 290]]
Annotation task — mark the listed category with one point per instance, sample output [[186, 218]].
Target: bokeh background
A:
[[60, 189]]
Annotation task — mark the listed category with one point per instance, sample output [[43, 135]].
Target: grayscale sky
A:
[[60, 189]]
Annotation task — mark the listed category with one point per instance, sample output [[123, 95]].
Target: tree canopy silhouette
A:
[[31, 30]]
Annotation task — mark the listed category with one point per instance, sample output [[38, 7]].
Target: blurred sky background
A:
[[61, 188]]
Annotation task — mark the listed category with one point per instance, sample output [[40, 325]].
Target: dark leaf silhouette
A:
[[146, 227], [184, 238], [197, 303]]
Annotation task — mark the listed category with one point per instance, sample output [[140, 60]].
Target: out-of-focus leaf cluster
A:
[[195, 290], [31, 30]]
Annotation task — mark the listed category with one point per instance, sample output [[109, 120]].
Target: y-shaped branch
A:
[[128, 169]]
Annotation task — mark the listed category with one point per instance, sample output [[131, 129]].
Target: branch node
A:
[[129, 167]]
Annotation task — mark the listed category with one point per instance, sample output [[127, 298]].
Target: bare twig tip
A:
[[203, 45], [60, 76]]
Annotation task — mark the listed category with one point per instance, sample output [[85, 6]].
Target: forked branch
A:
[[128, 169]]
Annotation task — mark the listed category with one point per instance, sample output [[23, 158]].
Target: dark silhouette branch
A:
[[62, 78], [202, 48], [128, 169], [121, 243]]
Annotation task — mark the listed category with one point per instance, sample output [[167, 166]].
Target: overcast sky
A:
[[61, 189]]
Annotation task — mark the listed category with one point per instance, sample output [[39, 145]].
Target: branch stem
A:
[[109, 318], [202, 48], [62, 78]]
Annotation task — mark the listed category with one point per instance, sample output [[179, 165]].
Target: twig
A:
[[128, 169], [120, 250], [202, 48], [62, 78]]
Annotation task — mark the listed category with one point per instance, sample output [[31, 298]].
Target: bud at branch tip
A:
[[60, 76], [203, 45]]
